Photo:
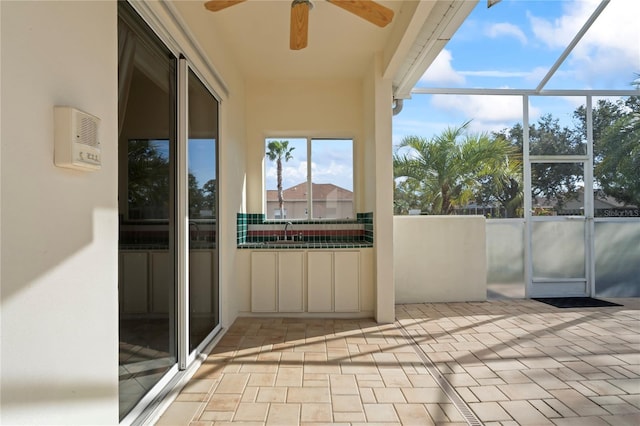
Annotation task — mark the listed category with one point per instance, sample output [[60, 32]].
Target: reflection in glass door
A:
[[147, 96], [202, 211]]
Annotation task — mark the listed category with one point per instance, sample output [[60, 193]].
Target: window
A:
[[309, 178]]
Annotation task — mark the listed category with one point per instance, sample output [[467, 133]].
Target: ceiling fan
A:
[[368, 10]]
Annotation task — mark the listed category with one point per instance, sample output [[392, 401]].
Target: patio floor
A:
[[501, 362]]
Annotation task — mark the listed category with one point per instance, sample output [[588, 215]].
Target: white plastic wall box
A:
[[76, 138]]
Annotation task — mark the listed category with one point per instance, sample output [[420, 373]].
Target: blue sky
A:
[[202, 159], [513, 45]]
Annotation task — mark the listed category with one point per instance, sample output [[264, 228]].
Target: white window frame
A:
[[309, 158]]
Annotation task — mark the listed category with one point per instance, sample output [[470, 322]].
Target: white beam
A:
[[522, 92], [573, 44]]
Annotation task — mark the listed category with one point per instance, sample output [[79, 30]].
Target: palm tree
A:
[[277, 151], [450, 168]]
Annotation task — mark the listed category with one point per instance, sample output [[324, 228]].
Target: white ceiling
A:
[[341, 45]]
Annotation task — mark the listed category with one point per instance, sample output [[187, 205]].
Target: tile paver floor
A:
[[507, 362]]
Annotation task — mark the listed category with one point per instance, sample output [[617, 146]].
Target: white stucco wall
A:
[[299, 108], [58, 307], [439, 259], [378, 178]]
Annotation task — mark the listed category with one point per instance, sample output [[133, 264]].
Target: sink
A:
[[285, 242], [200, 245], [307, 244]]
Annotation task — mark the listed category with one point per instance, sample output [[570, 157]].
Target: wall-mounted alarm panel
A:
[[77, 145]]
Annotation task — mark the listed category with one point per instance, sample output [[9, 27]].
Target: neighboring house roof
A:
[[601, 201], [321, 191]]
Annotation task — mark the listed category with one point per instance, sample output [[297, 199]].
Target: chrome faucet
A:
[[285, 230]]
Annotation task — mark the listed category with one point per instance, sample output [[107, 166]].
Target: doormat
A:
[[575, 302]]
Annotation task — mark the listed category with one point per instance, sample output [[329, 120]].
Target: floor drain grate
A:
[[446, 387]]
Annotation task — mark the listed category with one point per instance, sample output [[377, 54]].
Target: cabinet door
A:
[[346, 281], [161, 283], [200, 277], [291, 281], [264, 291], [320, 281], [135, 282]]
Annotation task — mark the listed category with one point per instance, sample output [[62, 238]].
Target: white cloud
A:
[[558, 33], [505, 29], [482, 107], [609, 51], [340, 174], [496, 73], [488, 113], [573, 102], [441, 71], [328, 170], [293, 173], [417, 127], [537, 74]]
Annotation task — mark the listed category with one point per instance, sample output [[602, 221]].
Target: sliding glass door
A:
[[147, 146], [203, 202], [168, 204]]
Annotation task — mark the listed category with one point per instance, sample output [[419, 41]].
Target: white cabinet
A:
[[333, 281], [291, 281], [264, 281], [277, 281], [146, 282], [305, 281], [320, 281], [346, 281]]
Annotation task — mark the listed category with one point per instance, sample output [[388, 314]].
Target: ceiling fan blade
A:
[[299, 25], [216, 5], [367, 9]]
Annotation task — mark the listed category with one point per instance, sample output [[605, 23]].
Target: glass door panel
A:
[[558, 258], [203, 207], [558, 252], [147, 321]]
